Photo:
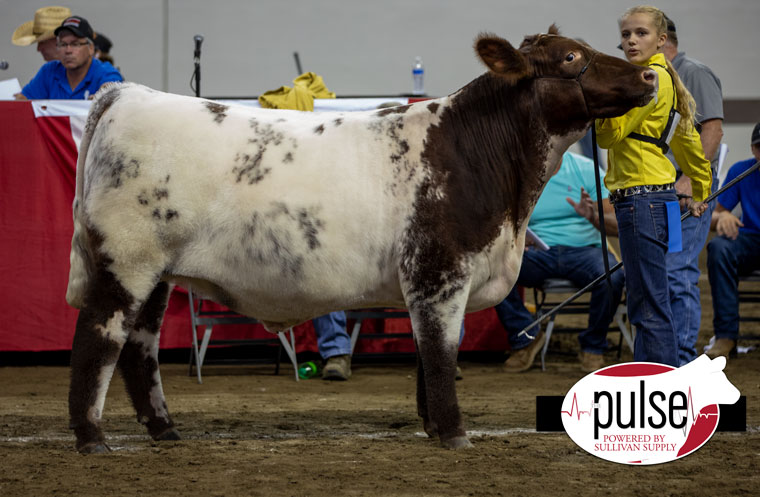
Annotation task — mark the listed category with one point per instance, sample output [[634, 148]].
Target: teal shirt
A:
[[554, 220]]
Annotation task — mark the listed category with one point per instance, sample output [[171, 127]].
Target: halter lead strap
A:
[[578, 77], [578, 80]]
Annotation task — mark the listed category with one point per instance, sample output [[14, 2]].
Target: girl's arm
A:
[[688, 153], [613, 130]]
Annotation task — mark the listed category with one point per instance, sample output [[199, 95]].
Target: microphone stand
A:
[[197, 60], [197, 77]]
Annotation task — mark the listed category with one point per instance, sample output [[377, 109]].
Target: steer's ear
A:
[[501, 57]]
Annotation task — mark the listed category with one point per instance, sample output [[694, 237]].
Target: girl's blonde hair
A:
[[685, 104]]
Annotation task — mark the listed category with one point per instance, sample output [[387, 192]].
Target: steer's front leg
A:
[[436, 328]]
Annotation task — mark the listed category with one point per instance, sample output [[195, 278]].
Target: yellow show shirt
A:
[[633, 162]]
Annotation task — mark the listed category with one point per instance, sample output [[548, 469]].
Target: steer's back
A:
[[255, 207]]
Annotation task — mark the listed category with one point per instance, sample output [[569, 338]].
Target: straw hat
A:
[[41, 28]]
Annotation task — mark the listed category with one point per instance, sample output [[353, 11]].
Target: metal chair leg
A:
[[549, 329]]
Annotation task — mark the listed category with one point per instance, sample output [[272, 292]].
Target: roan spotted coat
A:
[[284, 215]]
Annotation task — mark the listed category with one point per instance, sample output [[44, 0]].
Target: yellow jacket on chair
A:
[[306, 88]]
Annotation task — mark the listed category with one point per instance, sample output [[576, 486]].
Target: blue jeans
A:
[[643, 234], [581, 265], [332, 337], [726, 260], [683, 281]]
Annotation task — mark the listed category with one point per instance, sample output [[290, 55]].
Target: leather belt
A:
[[620, 194]]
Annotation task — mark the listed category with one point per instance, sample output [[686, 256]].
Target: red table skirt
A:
[[38, 164]]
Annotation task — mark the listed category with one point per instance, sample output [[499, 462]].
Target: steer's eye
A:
[[570, 57]]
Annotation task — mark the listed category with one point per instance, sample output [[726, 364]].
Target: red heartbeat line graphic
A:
[[574, 407], [690, 407]]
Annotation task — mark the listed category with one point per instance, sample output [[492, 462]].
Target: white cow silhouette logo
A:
[[645, 413]]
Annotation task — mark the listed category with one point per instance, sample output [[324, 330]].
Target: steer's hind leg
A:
[[138, 365], [101, 331], [436, 328]]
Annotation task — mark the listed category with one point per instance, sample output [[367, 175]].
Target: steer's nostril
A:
[[649, 76]]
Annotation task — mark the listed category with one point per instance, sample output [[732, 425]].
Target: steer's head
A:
[[566, 70]]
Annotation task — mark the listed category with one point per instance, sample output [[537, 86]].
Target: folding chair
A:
[[749, 296], [377, 313], [208, 318], [559, 285]]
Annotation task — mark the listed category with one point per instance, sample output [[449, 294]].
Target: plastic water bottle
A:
[[308, 370], [418, 75]]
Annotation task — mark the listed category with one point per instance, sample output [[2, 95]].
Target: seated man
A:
[[736, 251], [334, 346], [77, 75], [575, 254], [103, 47]]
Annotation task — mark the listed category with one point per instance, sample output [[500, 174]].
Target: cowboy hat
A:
[[41, 28]]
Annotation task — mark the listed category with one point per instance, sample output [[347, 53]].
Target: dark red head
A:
[[563, 67]]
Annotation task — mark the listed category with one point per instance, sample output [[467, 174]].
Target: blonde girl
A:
[[641, 179]]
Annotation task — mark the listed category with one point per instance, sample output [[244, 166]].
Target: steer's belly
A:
[[273, 292]]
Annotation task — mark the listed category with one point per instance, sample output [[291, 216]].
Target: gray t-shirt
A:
[[705, 87]]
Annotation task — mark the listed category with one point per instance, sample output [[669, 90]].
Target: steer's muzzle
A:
[[650, 76]]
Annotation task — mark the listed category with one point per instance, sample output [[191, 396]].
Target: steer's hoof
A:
[[430, 428], [169, 434], [456, 443], [94, 448]]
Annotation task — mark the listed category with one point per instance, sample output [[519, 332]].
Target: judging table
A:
[[38, 151]]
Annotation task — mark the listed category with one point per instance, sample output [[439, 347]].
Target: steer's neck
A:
[[498, 133]]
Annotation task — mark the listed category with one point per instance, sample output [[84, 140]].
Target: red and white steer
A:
[[284, 215]]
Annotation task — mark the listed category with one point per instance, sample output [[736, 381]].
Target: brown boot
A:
[[522, 359], [591, 362], [722, 347], [337, 368]]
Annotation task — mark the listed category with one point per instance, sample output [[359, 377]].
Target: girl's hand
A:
[[697, 208], [683, 189]]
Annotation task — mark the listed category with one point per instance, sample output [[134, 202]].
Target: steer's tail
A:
[[81, 250]]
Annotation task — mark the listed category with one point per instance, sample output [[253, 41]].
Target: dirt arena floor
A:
[[248, 432]]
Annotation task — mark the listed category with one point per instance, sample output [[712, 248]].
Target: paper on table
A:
[[8, 88], [537, 242]]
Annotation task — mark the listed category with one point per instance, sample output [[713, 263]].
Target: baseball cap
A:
[[102, 43], [671, 30], [671, 24], [77, 25], [756, 134]]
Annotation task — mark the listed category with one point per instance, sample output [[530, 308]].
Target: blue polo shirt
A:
[[746, 192], [554, 220], [50, 81]]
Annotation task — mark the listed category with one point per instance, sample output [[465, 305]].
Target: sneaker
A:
[[722, 347], [522, 359], [590, 362], [459, 374], [337, 368]]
